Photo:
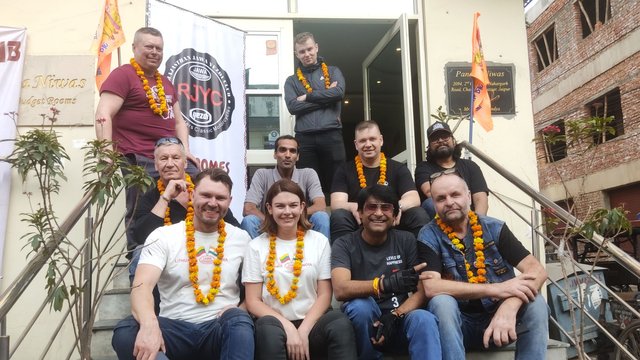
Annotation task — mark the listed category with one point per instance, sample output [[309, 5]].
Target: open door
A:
[[388, 94]]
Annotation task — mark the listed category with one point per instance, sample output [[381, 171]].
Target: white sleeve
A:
[[154, 251], [252, 263], [324, 265]]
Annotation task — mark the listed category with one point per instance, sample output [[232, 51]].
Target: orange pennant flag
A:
[[108, 38], [481, 100]]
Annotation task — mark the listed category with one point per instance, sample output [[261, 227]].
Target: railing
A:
[[23, 288], [570, 267]]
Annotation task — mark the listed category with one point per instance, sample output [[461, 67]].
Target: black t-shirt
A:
[[509, 247], [366, 262], [346, 178], [468, 170]]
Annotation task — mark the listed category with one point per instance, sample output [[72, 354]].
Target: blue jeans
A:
[[419, 329], [319, 221], [228, 337], [462, 331]]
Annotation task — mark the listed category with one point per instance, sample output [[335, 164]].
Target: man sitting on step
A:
[[196, 264], [470, 279], [286, 155]]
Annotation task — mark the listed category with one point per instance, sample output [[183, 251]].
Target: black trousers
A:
[[323, 151], [343, 222], [332, 337]]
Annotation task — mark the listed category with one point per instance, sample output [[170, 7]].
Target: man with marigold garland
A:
[[137, 107], [374, 270], [470, 280], [314, 95], [371, 166], [196, 264], [167, 202]]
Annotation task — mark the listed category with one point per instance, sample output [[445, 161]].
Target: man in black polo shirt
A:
[[369, 167]]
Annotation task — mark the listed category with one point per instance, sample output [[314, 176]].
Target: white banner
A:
[[13, 44], [204, 60]]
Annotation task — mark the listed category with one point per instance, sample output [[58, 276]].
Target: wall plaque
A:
[[66, 82], [500, 89]]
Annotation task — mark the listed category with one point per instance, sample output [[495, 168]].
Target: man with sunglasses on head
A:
[[444, 153], [470, 279], [371, 166], [374, 271], [167, 202], [286, 155]]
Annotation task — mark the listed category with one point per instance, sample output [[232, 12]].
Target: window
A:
[[263, 121], [546, 48], [606, 106], [554, 141], [593, 14]]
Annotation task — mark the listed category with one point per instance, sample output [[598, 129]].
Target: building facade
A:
[[585, 62]]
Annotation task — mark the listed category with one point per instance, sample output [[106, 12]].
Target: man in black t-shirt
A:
[[373, 270], [444, 153], [371, 166], [470, 279]]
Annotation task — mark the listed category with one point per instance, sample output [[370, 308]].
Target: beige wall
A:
[[447, 27]]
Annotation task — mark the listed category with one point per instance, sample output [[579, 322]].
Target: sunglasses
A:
[[373, 207], [168, 140], [444, 172]]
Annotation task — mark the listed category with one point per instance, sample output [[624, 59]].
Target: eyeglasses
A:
[[444, 172], [168, 140], [373, 207], [440, 138]]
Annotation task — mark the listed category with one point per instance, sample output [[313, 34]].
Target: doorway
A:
[[347, 44]]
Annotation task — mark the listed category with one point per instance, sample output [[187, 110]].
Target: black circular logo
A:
[[203, 90]]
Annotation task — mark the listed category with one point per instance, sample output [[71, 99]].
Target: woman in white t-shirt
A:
[[287, 278]]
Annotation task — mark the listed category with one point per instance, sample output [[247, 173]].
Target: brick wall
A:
[[575, 52]]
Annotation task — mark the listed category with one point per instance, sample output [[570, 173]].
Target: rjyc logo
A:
[[204, 92]]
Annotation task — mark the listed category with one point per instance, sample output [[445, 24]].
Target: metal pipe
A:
[[626, 260]]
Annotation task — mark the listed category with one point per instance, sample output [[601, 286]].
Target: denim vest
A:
[[453, 268]]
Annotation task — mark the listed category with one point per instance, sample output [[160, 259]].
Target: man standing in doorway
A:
[[314, 95], [443, 152]]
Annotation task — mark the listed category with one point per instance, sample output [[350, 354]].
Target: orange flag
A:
[[481, 101], [109, 37]]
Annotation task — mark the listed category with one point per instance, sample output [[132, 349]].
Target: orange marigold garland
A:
[[162, 108], [167, 212], [383, 171], [478, 247], [193, 261], [305, 83], [272, 287]]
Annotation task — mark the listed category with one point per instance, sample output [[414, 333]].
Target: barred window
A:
[[546, 47]]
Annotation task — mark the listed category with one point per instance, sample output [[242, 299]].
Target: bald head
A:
[[451, 198]]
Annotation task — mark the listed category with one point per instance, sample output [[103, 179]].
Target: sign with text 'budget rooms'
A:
[[204, 60]]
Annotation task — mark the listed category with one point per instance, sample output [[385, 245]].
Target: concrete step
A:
[[120, 275], [115, 305], [101, 340]]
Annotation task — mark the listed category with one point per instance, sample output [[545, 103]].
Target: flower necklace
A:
[[325, 74], [167, 212], [383, 171], [297, 268], [193, 262], [478, 246], [158, 110]]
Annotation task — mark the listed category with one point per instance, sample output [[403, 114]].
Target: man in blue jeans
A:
[[286, 154], [470, 279], [374, 271], [196, 265]]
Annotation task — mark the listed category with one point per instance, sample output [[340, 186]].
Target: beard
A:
[[443, 152]]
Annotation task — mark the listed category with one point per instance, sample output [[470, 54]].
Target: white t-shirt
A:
[[316, 265], [166, 249]]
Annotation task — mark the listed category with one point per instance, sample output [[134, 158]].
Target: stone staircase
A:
[[116, 306]]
